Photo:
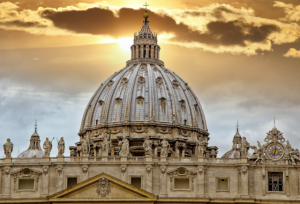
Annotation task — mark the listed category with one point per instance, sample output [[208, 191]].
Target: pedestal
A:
[[46, 159], [163, 159], [85, 158], [148, 158], [7, 160], [104, 159], [60, 159], [123, 158], [200, 159]]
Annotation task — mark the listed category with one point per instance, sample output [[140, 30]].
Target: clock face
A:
[[275, 151]]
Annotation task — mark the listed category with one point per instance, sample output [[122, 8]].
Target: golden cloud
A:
[[292, 53]]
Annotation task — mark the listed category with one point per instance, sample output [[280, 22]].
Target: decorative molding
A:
[[103, 187], [163, 130], [59, 169], [175, 84], [26, 173], [163, 169], [139, 129], [116, 130], [6, 170], [201, 170], [85, 168], [45, 170], [123, 168], [149, 169], [184, 133], [243, 170], [182, 172]]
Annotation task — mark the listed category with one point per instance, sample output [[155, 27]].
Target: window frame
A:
[[26, 190], [180, 177], [70, 176], [137, 176], [217, 184], [275, 170]]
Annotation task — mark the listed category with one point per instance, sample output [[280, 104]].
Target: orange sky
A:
[[240, 58]]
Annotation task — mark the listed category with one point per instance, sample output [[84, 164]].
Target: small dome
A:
[[32, 153], [232, 154], [34, 150]]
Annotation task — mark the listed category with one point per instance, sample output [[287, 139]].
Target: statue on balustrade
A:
[[165, 148], [85, 144], [8, 148], [213, 153], [47, 146], [61, 147], [105, 145], [244, 147], [124, 150], [148, 146], [258, 154], [201, 147], [294, 156]]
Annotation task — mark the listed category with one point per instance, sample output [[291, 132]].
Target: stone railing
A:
[[122, 159], [148, 61]]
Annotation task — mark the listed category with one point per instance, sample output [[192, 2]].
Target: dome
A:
[[145, 100], [34, 150]]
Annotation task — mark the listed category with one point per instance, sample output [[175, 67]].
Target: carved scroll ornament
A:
[[164, 130], [103, 187], [184, 133], [139, 129]]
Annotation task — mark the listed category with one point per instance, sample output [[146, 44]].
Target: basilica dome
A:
[[145, 99]]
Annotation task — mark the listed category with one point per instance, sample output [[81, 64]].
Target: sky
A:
[[241, 58]]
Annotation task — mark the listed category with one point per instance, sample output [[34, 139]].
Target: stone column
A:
[[132, 51], [152, 51], [148, 178], [156, 52], [60, 177], [124, 173], [147, 51], [137, 51], [45, 181], [200, 187], [287, 185], [263, 173], [142, 52], [158, 55], [163, 181], [6, 182], [244, 181]]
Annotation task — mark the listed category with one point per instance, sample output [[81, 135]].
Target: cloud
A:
[[292, 53], [292, 12]]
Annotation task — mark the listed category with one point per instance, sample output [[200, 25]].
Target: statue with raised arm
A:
[[165, 148], [148, 146], [47, 146], [200, 146], [8, 148], [85, 144], [61, 146]]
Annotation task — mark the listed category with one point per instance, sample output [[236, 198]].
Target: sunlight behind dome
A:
[[125, 43]]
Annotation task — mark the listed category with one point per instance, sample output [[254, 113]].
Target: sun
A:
[[125, 43]]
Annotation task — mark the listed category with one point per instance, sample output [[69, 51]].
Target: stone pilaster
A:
[[287, 181], [263, 173], [6, 182], [85, 172], [200, 187], [45, 181], [59, 177], [163, 181], [156, 52], [148, 179], [152, 51], [147, 51], [124, 173], [142, 52], [243, 171], [137, 51]]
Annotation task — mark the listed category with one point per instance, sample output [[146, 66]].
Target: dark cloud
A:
[[98, 21], [23, 24]]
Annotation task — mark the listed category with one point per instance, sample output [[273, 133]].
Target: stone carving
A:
[[85, 168], [110, 83], [123, 83], [244, 147], [162, 102], [25, 173], [148, 169], [213, 153], [47, 146], [184, 133], [274, 135], [124, 149], [139, 129], [165, 148], [200, 147], [163, 130], [201, 170], [59, 169], [258, 154], [163, 169], [45, 170], [6, 170], [8, 148], [243, 170], [85, 145], [148, 146], [159, 81], [293, 156], [116, 130], [123, 168], [61, 146], [140, 100], [103, 187], [96, 134], [118, 101], [181, 172]]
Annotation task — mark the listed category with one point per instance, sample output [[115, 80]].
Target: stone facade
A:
[[143, 139]]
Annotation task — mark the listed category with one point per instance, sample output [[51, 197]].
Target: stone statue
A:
[[61, 146], [201, 147], [213, 153], [148, 146], [244, 147], [165, 148], [8, 148], [47, 146], [293, 156], [259, 154], [124, 147], [85, 144]]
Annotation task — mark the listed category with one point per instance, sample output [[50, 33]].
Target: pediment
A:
[[102, 187]]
